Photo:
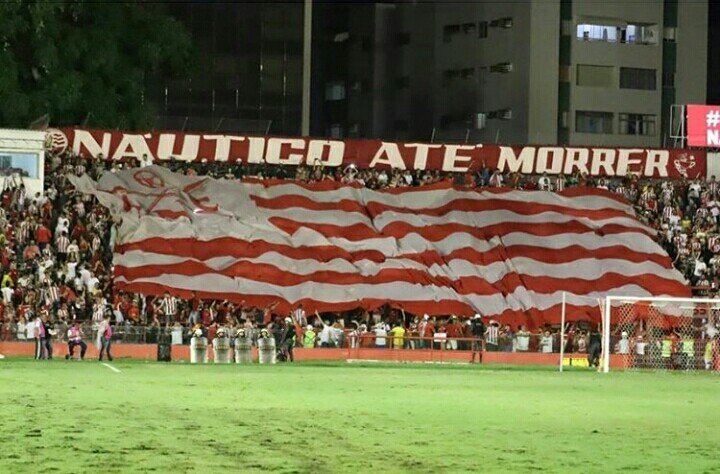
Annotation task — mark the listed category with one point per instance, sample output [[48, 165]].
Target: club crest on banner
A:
[[56, 141], [684, 163]]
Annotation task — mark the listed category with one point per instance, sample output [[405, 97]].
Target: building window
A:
[[590, 32], [506, 22], [501, 67], [449, 75], [637, 78], [335, 90], [639, 34], [402, 39], [637, 124], [335, 130], [500, 114], [483, 29], [449, 31], [467, 73], [593, 122], [589, 75], [24, 164]]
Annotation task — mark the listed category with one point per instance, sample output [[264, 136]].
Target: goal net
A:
[[661, 333]]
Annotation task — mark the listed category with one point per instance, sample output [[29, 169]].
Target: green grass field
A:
[[82, 417]]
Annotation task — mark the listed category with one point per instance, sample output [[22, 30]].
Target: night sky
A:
[[713, 83]]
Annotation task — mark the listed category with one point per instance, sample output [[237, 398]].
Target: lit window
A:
[[21, 164], [588, 32]]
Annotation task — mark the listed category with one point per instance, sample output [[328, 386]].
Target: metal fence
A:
[[180, 335]]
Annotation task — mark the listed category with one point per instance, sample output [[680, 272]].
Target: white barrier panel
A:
[[267, 350], [198, 350], [221, 350], [243, 348]]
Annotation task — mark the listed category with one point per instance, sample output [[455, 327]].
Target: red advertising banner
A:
[[703, 125], [530, 159]]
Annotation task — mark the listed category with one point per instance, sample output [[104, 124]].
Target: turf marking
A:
[[114, 369]]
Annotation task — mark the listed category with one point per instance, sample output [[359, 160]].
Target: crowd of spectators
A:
[[56, 255]]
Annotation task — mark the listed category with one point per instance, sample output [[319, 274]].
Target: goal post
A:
[[661, 333]]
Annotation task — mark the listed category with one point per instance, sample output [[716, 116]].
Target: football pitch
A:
[[84, 417]]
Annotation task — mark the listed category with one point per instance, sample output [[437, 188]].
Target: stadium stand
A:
[[56, 258]]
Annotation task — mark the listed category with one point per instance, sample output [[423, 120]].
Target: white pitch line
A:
[[114, 369]]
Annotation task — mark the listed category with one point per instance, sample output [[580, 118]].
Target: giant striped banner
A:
[[437, 249]]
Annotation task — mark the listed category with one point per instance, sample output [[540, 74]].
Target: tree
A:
[[74, 59]]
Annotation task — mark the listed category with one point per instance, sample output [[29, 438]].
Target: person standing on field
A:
[[594, 347], [74, 340], [477, 328], [105, 331], [40, 333]]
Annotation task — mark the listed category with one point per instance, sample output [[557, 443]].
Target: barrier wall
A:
[[149, 352]]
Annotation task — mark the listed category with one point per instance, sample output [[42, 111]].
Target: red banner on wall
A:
[[703, 123], [531, 159]]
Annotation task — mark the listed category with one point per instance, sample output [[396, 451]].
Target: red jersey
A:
[[43, 235]]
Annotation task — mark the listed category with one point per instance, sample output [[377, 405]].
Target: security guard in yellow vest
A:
[[688, 350], [309, 338], [666, 352]]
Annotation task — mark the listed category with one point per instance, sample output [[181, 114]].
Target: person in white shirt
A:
[[63, 225], [522, 338], [93, 284], [380, 336], [29, 329], [7, 293], [700, 267], [78, 284], [694, 190], [85, 275], [496, 180], [21, 329], [546, 343], [70, 270], [44, 265], [325, 334], [145, 161], [544, 182], [382, 178], [73, 251], [623, 345]]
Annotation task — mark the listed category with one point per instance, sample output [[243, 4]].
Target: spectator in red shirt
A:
[[429, 333], [43, 236], [31, 251], [454, 331]]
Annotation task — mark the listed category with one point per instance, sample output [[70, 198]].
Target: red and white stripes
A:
[[435, 249]]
